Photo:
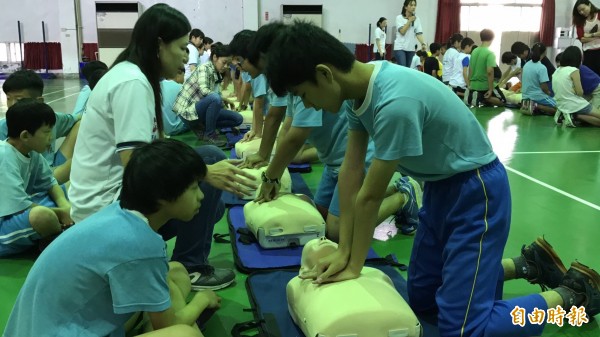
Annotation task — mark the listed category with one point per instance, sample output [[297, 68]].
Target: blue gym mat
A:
[[252, 257], [266, 291]]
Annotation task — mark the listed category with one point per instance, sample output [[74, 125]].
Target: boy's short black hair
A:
[[24, 80], [196, 33], [508, 57], [207, 40], [571, 57], [518, 48], [467, 41], [96, 76], [296, 52], [434, 47], [262, 41], [161, 170], [421, 53], [28, 114], [558, 58], [240, 43], [486, 35], [90, 67]]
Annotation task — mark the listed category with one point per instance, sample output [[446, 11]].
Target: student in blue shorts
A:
[[419, 127], [328, 132], [33, 206], [27, 84], [535, 80], [88, 70], [91, 281], [266, 105]]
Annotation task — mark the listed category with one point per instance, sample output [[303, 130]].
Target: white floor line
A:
[[64, 89], [555, 152], [568, 195], [58, 99]]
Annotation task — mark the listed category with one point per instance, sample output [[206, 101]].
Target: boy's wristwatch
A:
[[267, 180]]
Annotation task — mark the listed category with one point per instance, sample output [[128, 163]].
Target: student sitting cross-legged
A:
[[33, 206], [91, 281]]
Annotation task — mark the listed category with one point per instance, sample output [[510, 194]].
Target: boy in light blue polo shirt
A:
[[266, 104], [27, 84], [328, 133], [109, 268], [419, 127], [88, 69], [172, 123], [33, 206]]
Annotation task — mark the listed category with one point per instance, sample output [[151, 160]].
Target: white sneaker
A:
[[568, 121]]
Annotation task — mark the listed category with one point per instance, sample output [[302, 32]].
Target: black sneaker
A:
[[211, 278], [550, 269], [585, 281], [215, 139]]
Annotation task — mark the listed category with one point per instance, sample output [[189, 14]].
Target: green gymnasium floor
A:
[[554, 175]]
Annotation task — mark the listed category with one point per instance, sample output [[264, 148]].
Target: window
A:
[[500, 16], [10, 52]]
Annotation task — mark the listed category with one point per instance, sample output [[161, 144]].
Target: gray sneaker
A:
[[211, 278]]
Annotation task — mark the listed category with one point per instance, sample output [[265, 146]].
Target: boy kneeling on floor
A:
[[106, 277]]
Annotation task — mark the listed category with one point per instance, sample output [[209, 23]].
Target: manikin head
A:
[[315, 250]]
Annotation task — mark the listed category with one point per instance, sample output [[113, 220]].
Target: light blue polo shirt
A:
[[260, 88], [172, 123], [329, 134], [534, 74], [93, 277], [415, 118], [64, 123]]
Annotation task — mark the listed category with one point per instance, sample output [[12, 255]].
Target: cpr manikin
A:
[[285, 182], [289, 220], [368, 306]]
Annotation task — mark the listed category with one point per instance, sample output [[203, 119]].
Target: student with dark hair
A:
[[95, 77], [422, 57], [418, 127], [568, 91], [432, 64], [115, 124], [514, 68], [207, 49], [100, 290], [196, 38], [586, 18], [590, 82], [200, 104], [522, 51], [87, 71], [449, 60], [251, 48], [33, 205], [380, 38], [460, 81], [27, 84], [535, 84], [409, 31], [482, 89], [170, 88]]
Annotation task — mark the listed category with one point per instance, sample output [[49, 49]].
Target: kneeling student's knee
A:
[[44, 221]]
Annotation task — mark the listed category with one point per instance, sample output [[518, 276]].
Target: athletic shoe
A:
[[214, 139], [585, 281], [408, 216], [211, 278], [550, 269]]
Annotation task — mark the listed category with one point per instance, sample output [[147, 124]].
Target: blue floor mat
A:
[[266, 291], [252, 257]]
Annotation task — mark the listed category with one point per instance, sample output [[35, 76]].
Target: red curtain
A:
[[36, 56], [547, 23], [362, 52], [90, 50], [448, 20]]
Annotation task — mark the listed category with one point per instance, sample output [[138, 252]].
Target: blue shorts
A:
[[16, 233], [548, 101], [455, 267], [327, 195]]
